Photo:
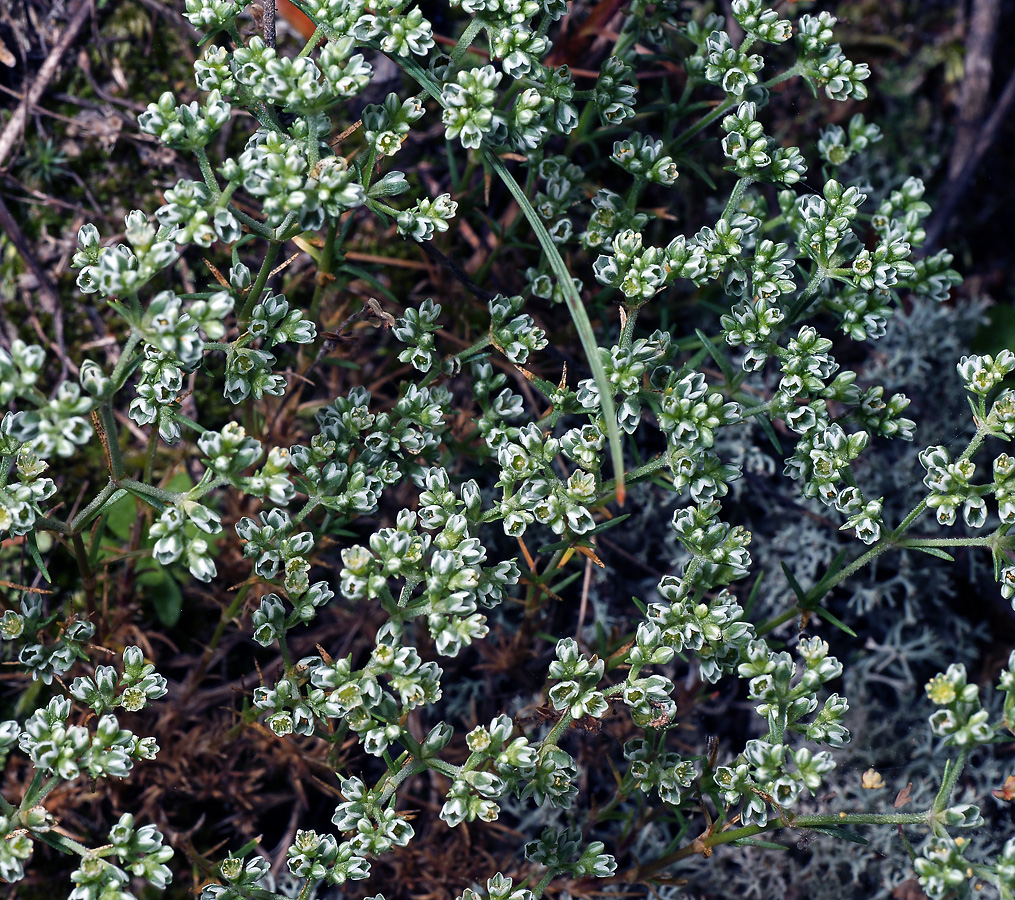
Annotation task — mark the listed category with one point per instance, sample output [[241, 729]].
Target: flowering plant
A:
[[424, 501]]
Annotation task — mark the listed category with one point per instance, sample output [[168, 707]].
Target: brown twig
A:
[[52, 298], [972, 139], [9, 137], [456, 270], [15, 127], [972, 102], [268, 22], [955, 189]]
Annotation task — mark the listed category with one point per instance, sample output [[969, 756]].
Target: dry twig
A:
[[15, 127]]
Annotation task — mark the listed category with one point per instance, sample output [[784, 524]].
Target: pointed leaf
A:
[[766, 426], [820, 589], [932, 551], [753, 595], [795, 585], [754, 842], [33, 549], [717, 355], [578, 315], [609, 523], [838, 623], [840, 832]]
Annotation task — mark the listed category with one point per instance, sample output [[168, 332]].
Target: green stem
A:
[[324, 269], [315, 39], [537, 891], [465, 41], [474, 349], [312, 504], [313, 145], [45, 523], [189, 422], [43, 791], [63, 843], [814, 283], [736, 196], [287, 230], [463, 356], [258, 286], [772, 624], [149, 463], [445, 768], [33, 795], [756, 410], [258, 228], [892, 539], [112, 439], [951, 777], [410, 768], [727, 105], [207, 172], [627, 333], [92, 509], [149, 490], [643, 873], [917, 543], [119, 373], [633, 477]]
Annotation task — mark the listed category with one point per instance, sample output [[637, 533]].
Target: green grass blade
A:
[[571, 297], [578, 315]]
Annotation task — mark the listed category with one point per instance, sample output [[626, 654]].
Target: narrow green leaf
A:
[[840, 832], [564, 582], [609, 523], [697, 358], [766, 426], [578, 315], [972, 407], [753, 595], [148, 498], [754, 842], [838, 623], [571, 297], [794, 584], [687, 162], [642, 608], [932, 551], [33, 550], [717, 356], [821, 588]]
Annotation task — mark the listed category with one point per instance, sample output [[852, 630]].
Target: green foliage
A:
[[431, 516]]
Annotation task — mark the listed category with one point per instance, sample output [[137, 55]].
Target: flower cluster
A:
[[414, 503]]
